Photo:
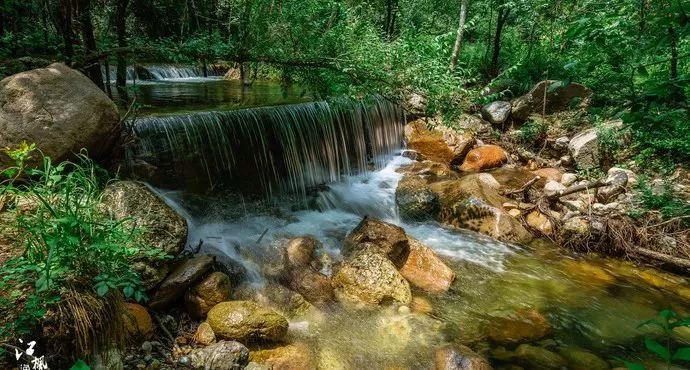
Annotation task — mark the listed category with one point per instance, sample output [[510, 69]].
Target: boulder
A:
[[279, 297], [164, 229], [58, 109], [484, 158], [470, 203], [553, 187], [580, 359], [204, 334], [540, 222], [315, 287], [389, 240], [299, 252], [496, 112], [532, 357], [584, 149], [416, 103], [458, 143], [568, 179], [137, 322], [428, 169], [223, 355], [246, 321], [296, 356], [459, 358], [558, 97], [523, 325], [443, 144], [184, 275], [472, 124], [367, 277], [212, 290], [425, 270], [617, 178], [415, 199]]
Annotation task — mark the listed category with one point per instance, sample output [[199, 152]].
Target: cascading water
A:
[[276, 150], [159, 72]]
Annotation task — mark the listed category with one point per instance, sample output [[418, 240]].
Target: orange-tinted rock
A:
[[204, 334], [425, 270], [484, 158], [421, 305], [540, 222], [209, 292], [138, 323], [443, 145], [553, 174], [295, 356]]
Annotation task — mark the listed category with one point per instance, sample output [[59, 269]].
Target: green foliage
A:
[[64, 240], [532, 133], [667, 321], [663, 199], [80, 365]]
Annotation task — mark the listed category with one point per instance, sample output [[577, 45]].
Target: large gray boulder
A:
[[496, 112], [58, 109], [584, 148], [558, 97]]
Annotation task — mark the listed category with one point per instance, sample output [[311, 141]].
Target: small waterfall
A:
[[158, 72], [270, 150]]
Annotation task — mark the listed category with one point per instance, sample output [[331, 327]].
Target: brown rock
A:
[[484, 158], [183, 276], [442, 145], [385, 238], [421, 305], [314, 286], [459, 358], [553, 174], [522, 326], [300, 251], [296, 356], [212, 290], [556, 100], [540, 222], [60, 110], [223, 355], [246, 321], [138, 323], [425, 270], [415, 199], [204, 335]]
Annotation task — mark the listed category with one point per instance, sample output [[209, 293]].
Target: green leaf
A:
[[80, 365], [128, 291], [102, 289], [657, 348], [667, 314], [682, 354], [634, 366]]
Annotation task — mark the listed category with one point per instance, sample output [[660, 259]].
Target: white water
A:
[[341, 209], [163, 72]]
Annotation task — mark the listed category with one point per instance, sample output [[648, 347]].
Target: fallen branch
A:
[[524, 190], [577, 188], [665, 258]]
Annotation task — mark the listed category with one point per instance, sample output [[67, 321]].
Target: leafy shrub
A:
[[65, 241], [667, 321], [661, 198]]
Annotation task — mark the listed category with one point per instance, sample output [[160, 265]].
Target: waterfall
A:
[[271, 150], [159, 72]]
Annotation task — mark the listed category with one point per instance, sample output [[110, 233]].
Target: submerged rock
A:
[[224, 355], [459, 358], [532, 357], [387, 239], [286, 301], [484, 158], [425, 270], [522, 326], [557, 99], [496, 112], [212, 290], [580, 359], [164, 229], [246, 321], [186, 274], [58, 109], [296, 356], [368, 277], [415, 199]]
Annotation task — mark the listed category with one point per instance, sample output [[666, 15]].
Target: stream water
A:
[[331, 178]]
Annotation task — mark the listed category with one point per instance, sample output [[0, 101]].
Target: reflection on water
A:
[[581, 305], [213, 93]]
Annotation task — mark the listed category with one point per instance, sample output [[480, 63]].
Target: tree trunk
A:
[[65, 14], [458, 37], [500, 22], [2, 23], [391, 15], [93, 70], [121, 30]]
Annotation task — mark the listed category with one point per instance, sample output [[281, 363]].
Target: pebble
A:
[[147, 347]]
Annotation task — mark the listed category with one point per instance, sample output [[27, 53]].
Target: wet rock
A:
[[496, 112], [588, 273], [442, 145], [387, 239], [204, 334], [300, 252], [425, 270], [137, 321], [58, 109], [412, 154], [568, 179], [184, 275], [369, 278], [415, 199], [428, 169], [286, 301], [532, 357], [459, 358], [484, 158], [165, 230], [421, 305], [296, 356], [617, 178], [315, 287], [580, 359], [549, 174], [459, 144], [394, 332], [584, 148], [255, 366], [246, 321], [522, 326], [540, 222], [212, 290], [557, 99], [224, 355], [469, 203]]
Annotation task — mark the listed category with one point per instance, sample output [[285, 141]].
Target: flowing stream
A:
[[317, 169]]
